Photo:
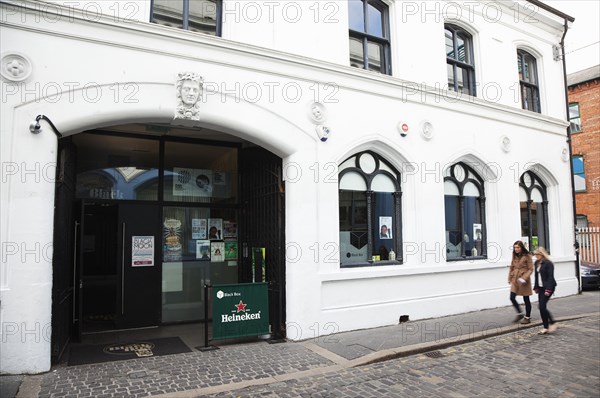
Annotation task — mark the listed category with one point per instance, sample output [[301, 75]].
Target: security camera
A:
[[322, 132]]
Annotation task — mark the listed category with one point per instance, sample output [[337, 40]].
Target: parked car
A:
[[590, 275]]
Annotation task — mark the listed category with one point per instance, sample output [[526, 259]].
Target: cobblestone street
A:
[[420, 358], [520, 364]]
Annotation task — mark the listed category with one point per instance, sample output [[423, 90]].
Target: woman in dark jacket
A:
[[544, 286]]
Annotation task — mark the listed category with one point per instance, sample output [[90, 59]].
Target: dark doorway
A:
[[114, 290]]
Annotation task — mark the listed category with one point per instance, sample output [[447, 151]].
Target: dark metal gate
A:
[[63, 300], [263, 225]]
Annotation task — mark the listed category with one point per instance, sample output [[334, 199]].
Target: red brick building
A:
[[584, 113]]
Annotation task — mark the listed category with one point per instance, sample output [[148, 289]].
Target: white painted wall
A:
[[107, 73]]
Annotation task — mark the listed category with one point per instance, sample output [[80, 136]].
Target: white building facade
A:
[[445, 122]]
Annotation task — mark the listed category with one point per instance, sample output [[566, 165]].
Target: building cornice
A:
[[297, 67]]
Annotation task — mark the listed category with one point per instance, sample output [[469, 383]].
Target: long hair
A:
[[524, 250], [541, 252]]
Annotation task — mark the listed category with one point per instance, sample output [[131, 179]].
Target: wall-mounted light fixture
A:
[[36, 128]]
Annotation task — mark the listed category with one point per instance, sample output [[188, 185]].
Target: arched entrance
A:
[[112, 204]]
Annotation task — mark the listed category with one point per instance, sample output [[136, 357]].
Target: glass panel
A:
[[357, 58], [449, 44], [579, 173], [450, 69], [529, 98], [367, 163], [520, 65], [542, 239], [464, 84], [375, 52], [471, 189], [383, 225], [383, 183], [460, 173], [524, 219], [200, 173], [523, 195], [375, 22], [203, 16], [182, 295], [353, 227], [450, 188], [573, 111], [200, 247], [530, 70], [536, 195], [574, 117], [168, 12], [353, 181], [453, 234], [347, 164], [462, 48], [356, 15], [473, 233], [110, 167]]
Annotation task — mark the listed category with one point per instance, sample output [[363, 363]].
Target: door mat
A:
[[81, 355]]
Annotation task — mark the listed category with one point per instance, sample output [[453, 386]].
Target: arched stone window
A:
[[459, 59], [370, 211], [528, 81], [464, 200], [534, 211]]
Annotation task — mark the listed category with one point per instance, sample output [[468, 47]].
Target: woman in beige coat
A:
[[519, 275]]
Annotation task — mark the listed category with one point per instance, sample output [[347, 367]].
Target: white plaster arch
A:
[[542, 172], [488, 171], [374, 142], [154, 102]]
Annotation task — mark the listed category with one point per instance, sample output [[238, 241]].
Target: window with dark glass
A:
[[118, 168], [196, 15], [579, 173], [528, 81], [369, 35], [534, 211], [370, 211], [574, 117], [581, 221], [464, 202], [459, 59]]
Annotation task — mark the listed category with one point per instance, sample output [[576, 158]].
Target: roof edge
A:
[[552, 10]]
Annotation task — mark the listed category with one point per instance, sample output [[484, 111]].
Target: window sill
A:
[[372, 263], [466, 258]]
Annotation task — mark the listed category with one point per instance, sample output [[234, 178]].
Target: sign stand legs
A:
[[206, 346]]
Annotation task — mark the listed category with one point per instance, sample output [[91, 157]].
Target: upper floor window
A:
[[578, 173], [574, 117], [369, 35], [528, 81], [534, 211], [196, 15], [370, 211], [464, 201], [459, 59]]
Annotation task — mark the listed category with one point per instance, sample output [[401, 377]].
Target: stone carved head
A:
[[189, 89]]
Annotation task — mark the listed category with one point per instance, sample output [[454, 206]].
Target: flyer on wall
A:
[[198, 228], [215, 228], [217, 252], [142, 251], [203, 249]]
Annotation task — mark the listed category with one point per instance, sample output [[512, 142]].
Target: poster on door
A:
[[142, 251]]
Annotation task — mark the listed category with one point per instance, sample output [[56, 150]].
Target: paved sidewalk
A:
[[235, 367]]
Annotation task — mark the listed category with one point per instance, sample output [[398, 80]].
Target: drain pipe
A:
[[569, 141]]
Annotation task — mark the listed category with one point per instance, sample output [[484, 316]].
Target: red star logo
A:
[[241, 306]]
